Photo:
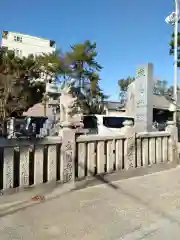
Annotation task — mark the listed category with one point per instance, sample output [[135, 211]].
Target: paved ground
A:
[[140, 208]]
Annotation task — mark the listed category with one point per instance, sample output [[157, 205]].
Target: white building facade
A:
[[24, 45]]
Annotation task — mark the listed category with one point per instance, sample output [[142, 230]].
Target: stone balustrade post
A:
[[129, 146], [172, 141], [68, 154]]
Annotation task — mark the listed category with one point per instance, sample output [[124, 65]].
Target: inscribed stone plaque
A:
[[131, 151], [144, 98], [67, 155], [8, 168]]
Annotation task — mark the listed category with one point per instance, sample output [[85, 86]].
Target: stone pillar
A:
[[68, 154], [68, 110], [172, 141], [144, 98], [129, 146]]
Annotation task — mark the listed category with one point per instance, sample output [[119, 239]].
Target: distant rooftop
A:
[[159, 102]]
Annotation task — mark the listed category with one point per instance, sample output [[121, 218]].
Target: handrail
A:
[[91, 138], [28, 142], [152, 134]]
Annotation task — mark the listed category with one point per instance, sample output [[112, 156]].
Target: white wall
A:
[[115, 113], [29, 44]]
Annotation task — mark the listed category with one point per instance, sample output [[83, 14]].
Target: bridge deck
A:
[[146, 207]]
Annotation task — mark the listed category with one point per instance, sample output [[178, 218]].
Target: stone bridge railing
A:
[[99, 155], [27, 163], [70, 157]]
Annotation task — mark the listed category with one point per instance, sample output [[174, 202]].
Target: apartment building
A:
[[24, 45]]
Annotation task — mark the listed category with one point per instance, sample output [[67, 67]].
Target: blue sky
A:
[[128, 32]]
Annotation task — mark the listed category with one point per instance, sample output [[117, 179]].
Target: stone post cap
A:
[[170, 123]]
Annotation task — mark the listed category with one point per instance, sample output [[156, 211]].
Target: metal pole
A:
[[176, 58]]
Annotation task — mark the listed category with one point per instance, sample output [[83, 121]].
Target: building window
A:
[[18, 53], [17, 39]]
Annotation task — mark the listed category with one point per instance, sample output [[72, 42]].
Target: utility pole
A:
[[173, 19]]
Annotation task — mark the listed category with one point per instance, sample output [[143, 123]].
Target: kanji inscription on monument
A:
[[144, 98]]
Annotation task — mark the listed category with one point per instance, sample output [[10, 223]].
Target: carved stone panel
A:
[[8, 168], [130, 152], [67, 162], [68, 155], [24, 166]]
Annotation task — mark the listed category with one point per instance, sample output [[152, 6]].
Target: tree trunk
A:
[[45, 108], [4, 129]]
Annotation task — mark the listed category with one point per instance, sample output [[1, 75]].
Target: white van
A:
[[104, 124]]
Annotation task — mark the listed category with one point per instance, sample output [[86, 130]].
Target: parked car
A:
[[25, 127], [104, 124]]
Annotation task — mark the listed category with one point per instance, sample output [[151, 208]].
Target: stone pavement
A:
[[146, 207]]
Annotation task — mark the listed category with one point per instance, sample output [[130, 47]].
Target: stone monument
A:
[[68, 119], [144, 98], [70, 112], [68, 104]]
